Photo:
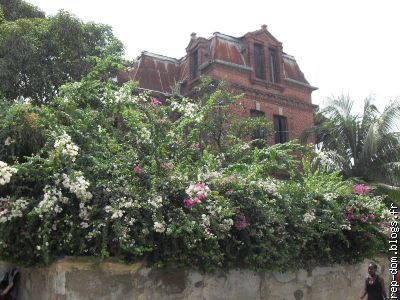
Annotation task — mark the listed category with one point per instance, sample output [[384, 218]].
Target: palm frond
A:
[[389, 117], [367, 144]]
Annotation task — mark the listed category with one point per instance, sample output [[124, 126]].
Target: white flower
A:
[[330, 196], [346, 226], [326, 160], [205, 220], [78, 185], [198, 190], [159, 227], [50, 201], [84, 225], [8, 141], [145, 135], [84, 211], [124, 95], [117, 214], [15, 209], [6, 173], [66, 147], [269, 186], [309, 217], [226, 225], [187, 109], [156, 202]]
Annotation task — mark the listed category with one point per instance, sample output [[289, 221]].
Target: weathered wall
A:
[[86, 279]]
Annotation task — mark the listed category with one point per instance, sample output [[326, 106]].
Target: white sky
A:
[[342, 46]]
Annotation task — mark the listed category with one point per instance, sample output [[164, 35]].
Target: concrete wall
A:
[[87, 279]]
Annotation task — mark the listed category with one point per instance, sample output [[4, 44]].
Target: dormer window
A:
[[273, 66], [259, 63], [195, 64]]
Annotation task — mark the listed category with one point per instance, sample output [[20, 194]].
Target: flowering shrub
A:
[[361, 189], [66, 147], [117, 173], [5, 173]]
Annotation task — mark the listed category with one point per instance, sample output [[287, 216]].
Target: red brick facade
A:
[[254, 64]]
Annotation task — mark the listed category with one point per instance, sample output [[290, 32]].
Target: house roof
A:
[[161, 73]]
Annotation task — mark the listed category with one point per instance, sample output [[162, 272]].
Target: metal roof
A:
[[161, 73]]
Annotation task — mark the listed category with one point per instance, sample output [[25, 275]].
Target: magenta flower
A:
[[155, 102], [200, 196], [188, 203], [137, 169], [197, 191], [349, 215], [241, 223], [361, 189]]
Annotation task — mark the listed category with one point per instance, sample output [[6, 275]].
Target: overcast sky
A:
[[342, 46]]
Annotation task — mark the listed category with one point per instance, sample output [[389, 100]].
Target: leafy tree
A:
[[18, 9], [363, 145], [224, 129], [38, 55]]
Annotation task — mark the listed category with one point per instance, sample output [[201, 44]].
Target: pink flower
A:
[[366, 190], [188, 203], [361, 189], [155, 102], [197, 187], [349, 215], [241, 223], [364, 219], [200, 196], [137, 169]]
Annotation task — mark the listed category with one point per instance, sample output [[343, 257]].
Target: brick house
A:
[[255, 65]]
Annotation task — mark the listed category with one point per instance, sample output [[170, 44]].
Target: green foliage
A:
[[107, 171], [48, 52], [18, 9], [364, 145], [223, 129]]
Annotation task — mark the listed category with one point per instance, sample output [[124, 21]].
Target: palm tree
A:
[[364, 145]]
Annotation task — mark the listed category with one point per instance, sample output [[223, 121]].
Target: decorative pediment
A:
[[263, 35], [195, 42]]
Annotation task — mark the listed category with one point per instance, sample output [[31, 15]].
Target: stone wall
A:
[[87, 279]]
